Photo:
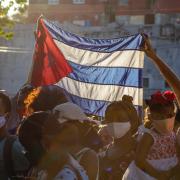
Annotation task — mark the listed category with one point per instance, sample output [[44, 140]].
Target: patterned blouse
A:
[[164, 146]]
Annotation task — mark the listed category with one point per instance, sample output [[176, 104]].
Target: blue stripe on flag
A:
[[91, 106], [133, 42], [107, 75]]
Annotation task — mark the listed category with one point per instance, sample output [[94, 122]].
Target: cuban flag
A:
[[92, 72]]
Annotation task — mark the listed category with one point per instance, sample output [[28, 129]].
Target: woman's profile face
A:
[[68, 136], [163, 113]]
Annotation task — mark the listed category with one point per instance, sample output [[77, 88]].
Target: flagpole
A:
[[32, 64]]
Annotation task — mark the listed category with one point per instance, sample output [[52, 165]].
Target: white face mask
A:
[[118, 129], [2, 121]]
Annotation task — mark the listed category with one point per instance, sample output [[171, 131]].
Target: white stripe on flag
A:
[[100, 92], [128, 58]]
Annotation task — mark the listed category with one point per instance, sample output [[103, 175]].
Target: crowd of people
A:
[[45, 137]]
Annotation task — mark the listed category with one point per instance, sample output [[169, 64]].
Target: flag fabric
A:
[[92, 72]]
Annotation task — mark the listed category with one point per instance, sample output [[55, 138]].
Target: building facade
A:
[[160, 19], [100, 12]]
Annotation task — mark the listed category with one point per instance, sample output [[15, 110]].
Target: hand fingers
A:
[[146, 42]]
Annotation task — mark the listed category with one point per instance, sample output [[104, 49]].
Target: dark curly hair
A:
[[30, 135]]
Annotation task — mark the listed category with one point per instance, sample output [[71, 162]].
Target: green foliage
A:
[[7, 20]]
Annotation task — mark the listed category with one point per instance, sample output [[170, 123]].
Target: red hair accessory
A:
[[162, 98]]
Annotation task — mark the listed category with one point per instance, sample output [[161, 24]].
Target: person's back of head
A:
[[22, 93], [30, 135], [44, 98], [48, 98]]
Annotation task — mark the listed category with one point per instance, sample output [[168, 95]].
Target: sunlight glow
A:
[[12, 11]]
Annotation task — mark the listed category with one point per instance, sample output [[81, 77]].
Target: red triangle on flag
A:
[[49, 64]]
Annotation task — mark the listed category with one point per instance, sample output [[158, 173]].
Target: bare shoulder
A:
[[146, 139], [91, 154]]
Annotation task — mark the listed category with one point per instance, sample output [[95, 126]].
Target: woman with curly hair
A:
[[156, 154], [121, 122]]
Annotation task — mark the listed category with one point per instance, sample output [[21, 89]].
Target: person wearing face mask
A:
[[73, 135], [12, 159], [40, 133], [156, 155], [119, 154]]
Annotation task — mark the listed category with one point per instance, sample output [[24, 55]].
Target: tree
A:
[[7, 19]]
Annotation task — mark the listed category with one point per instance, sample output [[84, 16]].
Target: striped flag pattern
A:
[[92, 72]]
